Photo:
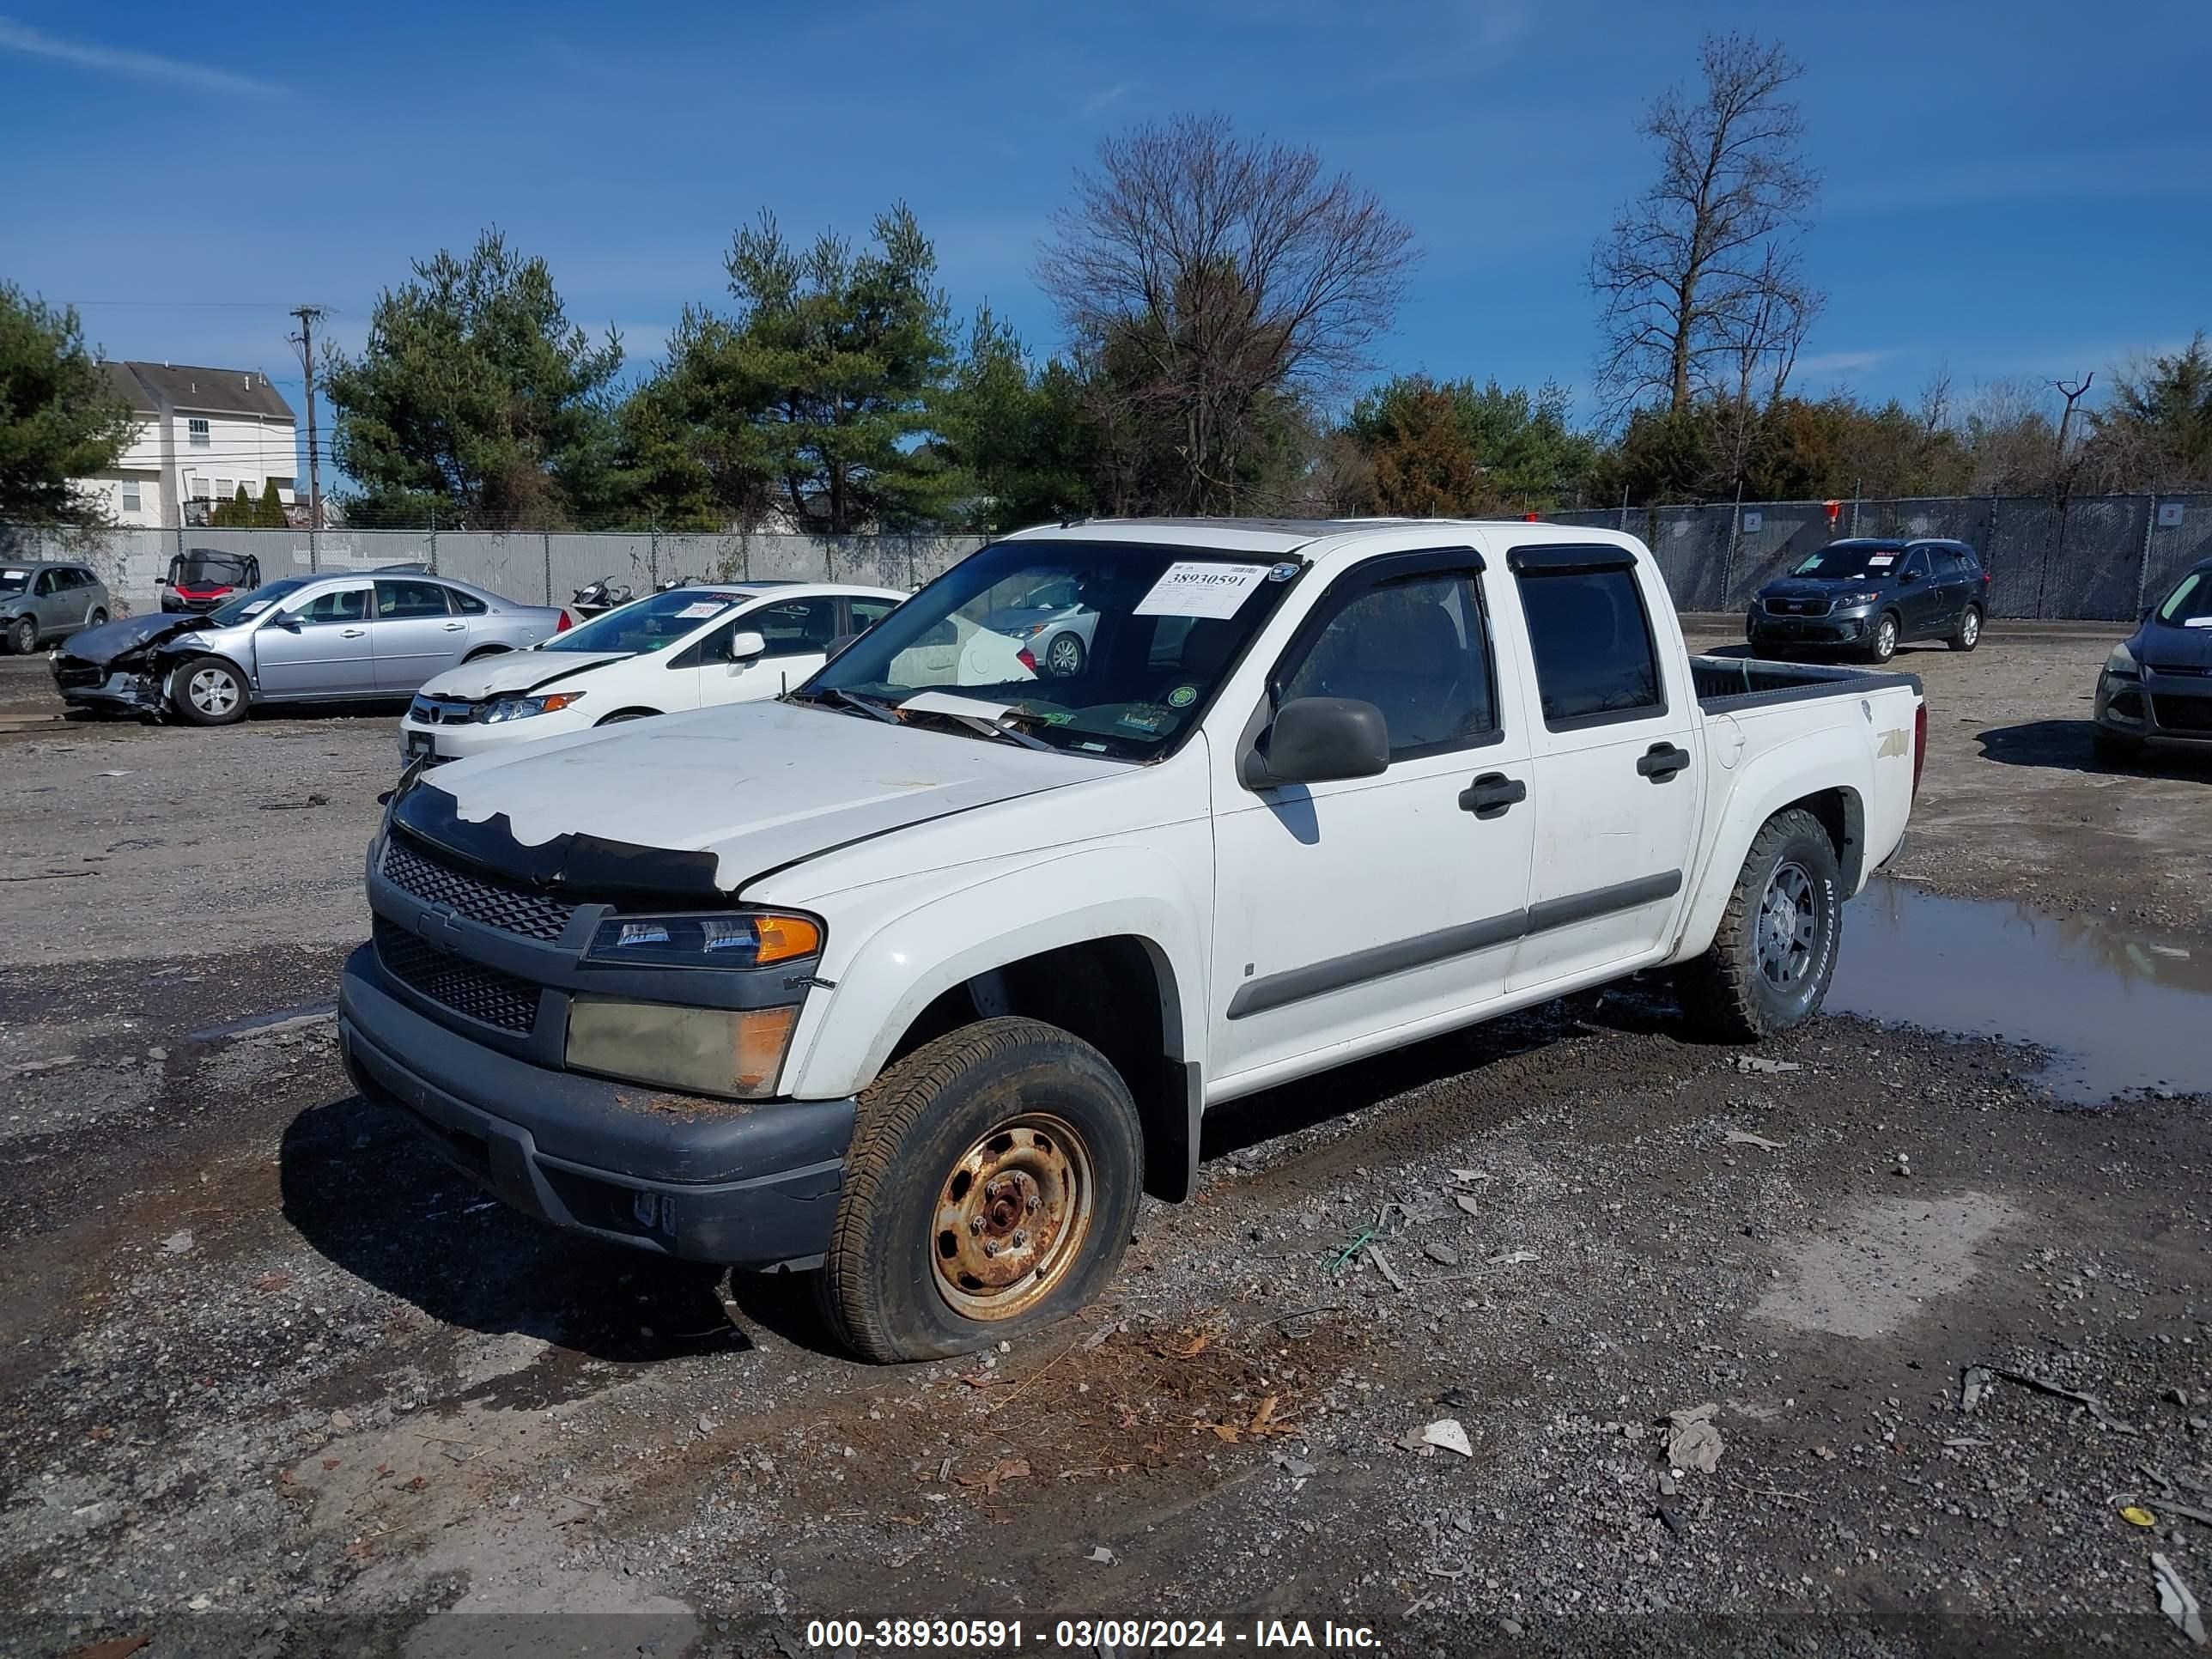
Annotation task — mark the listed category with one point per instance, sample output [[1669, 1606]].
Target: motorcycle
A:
[[594, 599]]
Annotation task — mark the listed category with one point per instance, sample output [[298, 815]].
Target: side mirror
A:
[[287, 620], [744, 646], [1908, 576], [1318, 740]]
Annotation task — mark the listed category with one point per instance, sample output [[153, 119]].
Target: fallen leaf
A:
[[1006, 1468], [1261, 1413]]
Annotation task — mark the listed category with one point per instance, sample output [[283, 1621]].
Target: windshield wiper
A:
[[984, 720], [844, 699]]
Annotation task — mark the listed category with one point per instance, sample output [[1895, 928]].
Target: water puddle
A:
[[2117, 1010]]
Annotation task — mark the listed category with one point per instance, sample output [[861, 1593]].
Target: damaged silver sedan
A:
[[317, 638]]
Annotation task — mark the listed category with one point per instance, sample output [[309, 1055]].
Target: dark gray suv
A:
[[47, 599], [1870, 594]]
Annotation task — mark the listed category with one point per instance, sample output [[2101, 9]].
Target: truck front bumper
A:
[[751, 1184]]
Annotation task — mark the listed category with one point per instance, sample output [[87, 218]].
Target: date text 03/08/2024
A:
[[1083, 1634]]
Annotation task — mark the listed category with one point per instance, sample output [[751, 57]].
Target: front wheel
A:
[[98, 616], [209, 691], [1968, 633], [1063, 658], [23, 636], [990, 1187], [1774, 952], [1883, 645]]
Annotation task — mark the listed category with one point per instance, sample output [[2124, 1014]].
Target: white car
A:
[[689, 647], [921, 975]]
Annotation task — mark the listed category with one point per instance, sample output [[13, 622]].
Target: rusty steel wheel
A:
[[990, 1187], [1012, 1216]]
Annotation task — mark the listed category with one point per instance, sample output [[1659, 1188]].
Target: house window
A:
[[195, 487], [197, 431], [222, 489], [130, 502]]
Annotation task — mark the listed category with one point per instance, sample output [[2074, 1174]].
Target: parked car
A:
[[42, 600], [2156, 686], [687, 648], [1871, 595], [1052, 624], [302, 640], [919, 980], [202, 578]]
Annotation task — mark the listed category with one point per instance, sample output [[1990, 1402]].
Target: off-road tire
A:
[[23, 636], [1727, 995], [1888, 630], [2117, 748], [879, 1287], [1968, 633], [180, 694]]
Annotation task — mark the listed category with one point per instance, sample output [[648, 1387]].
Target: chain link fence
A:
[[533, 567], [2099, 558]]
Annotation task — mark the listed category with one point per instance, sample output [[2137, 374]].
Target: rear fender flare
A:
[[1769, 784]]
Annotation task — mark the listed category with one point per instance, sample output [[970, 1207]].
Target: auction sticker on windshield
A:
[[1195, 587], [691, 612]]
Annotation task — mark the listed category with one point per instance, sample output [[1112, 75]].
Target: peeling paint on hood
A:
[[756, 786]]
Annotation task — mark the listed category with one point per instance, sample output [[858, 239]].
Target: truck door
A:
[[1354, 907], [1618, 755]]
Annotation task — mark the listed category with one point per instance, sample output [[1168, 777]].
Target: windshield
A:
[[246, 606], [2189, 604], [1841, 561], [203, 568], [1100, 649], [647, 624], [14, 580]]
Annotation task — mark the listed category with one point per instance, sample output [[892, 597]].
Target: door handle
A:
[[455, 627], [351, 633], [1491, 794], [1662, 761]]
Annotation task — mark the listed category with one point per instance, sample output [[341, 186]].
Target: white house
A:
[[201, 434]]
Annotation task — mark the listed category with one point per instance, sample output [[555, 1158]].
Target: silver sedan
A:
[[317, 638]]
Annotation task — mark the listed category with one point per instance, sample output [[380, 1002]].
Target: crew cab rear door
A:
[[1618, 757], [1368, 904]]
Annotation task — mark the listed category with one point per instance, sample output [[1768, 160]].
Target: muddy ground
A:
[[276, 1381]]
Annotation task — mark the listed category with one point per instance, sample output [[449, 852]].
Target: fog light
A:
[[709, 1051]]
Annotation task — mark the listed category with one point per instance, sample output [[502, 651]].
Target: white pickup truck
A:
[[921, 973]]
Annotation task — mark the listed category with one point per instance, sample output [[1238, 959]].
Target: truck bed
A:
[[1728, 685]]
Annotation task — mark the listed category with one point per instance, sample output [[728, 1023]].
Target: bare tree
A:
[[1699, 277], [1211, 285]]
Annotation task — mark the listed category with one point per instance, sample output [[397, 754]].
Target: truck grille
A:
[[1798, 607], [2183, 713], [467, 988], [496, 904]]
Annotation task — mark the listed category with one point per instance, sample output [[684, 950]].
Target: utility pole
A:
[[305, 339]]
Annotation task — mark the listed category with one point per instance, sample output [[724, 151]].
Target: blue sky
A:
[[2021, 190]]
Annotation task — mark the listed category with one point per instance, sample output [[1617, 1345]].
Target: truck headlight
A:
[[2122, 664], [708, 1051], [729, 938], [521, 709]]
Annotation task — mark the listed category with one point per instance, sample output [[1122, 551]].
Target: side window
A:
[[49, 582], [797, 628], [866, 613], [1416, 649], [1916, 563], [1592, 643], [397, 601], [467, 603], [340, 604]]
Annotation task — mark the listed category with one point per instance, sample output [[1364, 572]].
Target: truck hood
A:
[[512, 671], [704, 802], [113, 641]]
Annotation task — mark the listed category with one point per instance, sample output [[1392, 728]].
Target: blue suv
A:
[[1870, 594]]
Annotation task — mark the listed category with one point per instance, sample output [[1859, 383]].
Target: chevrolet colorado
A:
[[919, 974]]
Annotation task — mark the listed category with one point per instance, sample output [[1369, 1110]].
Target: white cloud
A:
[[1099, 101], [116, 60], [1839, 362]]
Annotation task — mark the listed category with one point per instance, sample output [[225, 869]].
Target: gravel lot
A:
[[278, 1383]]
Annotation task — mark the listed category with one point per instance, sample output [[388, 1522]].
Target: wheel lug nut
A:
[[1034, 1202], [975, 1223], [1020, 1238], [990, 1247]]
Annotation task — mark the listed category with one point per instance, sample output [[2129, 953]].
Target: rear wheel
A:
[[23, 636], [209, 691], [1968, 633], [1882, 646], [99, 616], [990, 1187], [1771, 958], [1064, 656]]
